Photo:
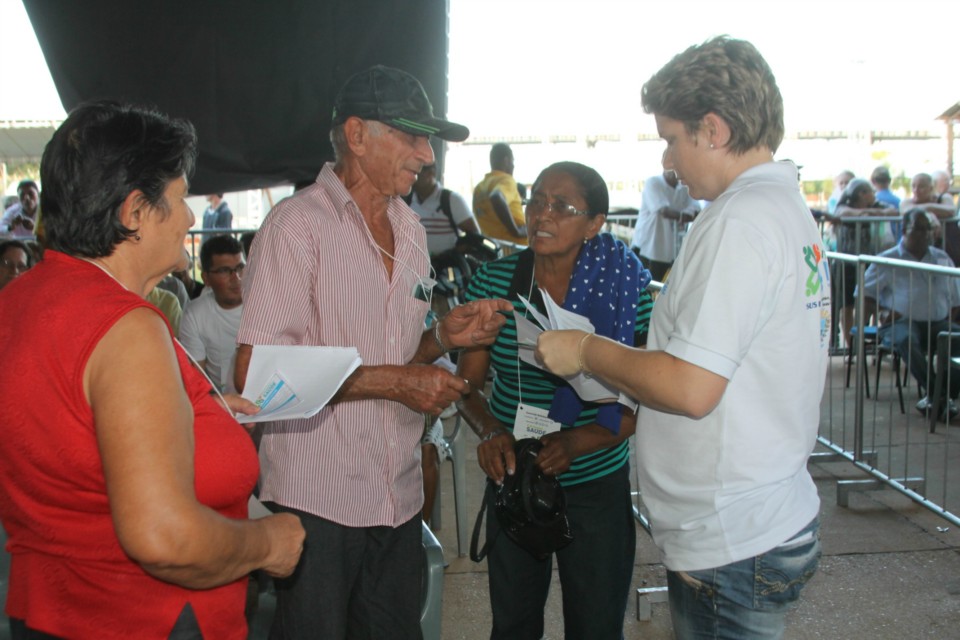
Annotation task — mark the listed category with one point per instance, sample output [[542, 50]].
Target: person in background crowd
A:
[[913, 310], [208, 329], [939, 208], [857, 200], [15, 259], [20, 219], [443, 225], [665, 209], [217, 214], [496, 199], [729, 409], [840, 183]]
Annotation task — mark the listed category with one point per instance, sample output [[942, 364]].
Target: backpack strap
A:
[[475, 538], [447, 211]]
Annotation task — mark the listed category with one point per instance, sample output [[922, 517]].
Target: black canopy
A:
[[256, 78]]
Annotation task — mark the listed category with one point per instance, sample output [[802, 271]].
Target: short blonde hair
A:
[[726, 77]]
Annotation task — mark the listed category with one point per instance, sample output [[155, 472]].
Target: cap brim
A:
[[449, 131]]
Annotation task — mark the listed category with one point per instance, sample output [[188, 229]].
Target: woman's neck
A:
[[553, 274]]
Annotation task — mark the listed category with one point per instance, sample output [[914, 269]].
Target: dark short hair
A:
[[499, 152], [218, 245], [101, 153], [881, 175], [17, 244], [727, 77], [910, 216], [852, 191], [27, 183], [592, 186]]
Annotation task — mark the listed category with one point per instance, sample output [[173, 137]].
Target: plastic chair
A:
[[431, 597], [457, 450]]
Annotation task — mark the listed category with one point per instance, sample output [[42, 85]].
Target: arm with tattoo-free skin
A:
[[655, 379]]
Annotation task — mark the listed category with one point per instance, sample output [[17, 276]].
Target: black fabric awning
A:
[[256, 78]]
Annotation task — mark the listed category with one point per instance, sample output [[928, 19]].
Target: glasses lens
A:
[[10, 265], [226, 271]]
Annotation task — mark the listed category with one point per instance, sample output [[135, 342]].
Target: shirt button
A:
[[393, 340]]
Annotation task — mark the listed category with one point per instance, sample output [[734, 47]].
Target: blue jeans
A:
[[595, 569], [916, 340], [746, 599]]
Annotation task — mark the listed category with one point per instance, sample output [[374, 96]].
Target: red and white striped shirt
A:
[[316, 277]]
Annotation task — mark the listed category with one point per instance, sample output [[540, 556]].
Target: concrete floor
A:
[[891, 568]]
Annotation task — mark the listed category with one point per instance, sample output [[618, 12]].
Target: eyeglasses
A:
[[226, 272], [10, 265], [537, 205]]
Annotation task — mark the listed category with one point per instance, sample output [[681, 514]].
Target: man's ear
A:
[[355, 131], [132, 209], [715, 130]]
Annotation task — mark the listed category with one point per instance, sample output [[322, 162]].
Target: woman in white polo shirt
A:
[[730, 385]]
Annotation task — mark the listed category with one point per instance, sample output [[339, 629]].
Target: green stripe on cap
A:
[[416, 125]]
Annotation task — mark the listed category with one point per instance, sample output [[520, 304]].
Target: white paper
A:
[[289, 382], [589, 389], [533, 422]]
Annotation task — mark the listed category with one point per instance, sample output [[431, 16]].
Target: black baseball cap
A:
[[395, 98]]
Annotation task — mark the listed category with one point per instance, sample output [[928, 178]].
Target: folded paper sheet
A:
[[588, 388], [289, 382]]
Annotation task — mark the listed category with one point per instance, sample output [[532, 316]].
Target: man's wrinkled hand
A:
[[429, 389], [473, 324]]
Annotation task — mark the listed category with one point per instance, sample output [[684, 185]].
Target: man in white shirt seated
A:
[[913, 307], [209, 326]]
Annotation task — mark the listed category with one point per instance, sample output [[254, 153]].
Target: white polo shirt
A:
[[748, 299]]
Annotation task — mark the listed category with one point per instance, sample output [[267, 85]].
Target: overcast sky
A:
[[567, 65]]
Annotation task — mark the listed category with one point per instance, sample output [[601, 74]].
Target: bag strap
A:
[[448, 211], [475, 538]]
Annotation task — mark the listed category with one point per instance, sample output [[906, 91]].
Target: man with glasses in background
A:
[[210, 323], [15, 260]]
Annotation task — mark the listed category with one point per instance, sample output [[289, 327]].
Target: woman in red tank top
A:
[[123, 481]]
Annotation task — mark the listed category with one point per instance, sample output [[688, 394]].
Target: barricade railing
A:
[[875, 426]]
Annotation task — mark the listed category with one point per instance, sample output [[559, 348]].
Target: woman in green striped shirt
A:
[[592, 274]]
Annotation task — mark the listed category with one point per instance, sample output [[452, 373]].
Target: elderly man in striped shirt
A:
[[344, 263]]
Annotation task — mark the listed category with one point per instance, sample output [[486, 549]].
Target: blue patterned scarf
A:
[[605, 287]]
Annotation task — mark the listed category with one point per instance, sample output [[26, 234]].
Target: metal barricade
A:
[[863, 423]]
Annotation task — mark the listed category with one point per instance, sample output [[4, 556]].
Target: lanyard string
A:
[[533, 274]]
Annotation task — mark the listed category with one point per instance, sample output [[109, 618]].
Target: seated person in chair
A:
[[914, 308]]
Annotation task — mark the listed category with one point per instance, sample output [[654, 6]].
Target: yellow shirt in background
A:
[[487, 218]]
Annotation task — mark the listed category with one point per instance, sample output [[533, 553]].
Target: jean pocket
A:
[[781, 573]]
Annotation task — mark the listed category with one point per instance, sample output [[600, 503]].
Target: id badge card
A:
[[533, 422]]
